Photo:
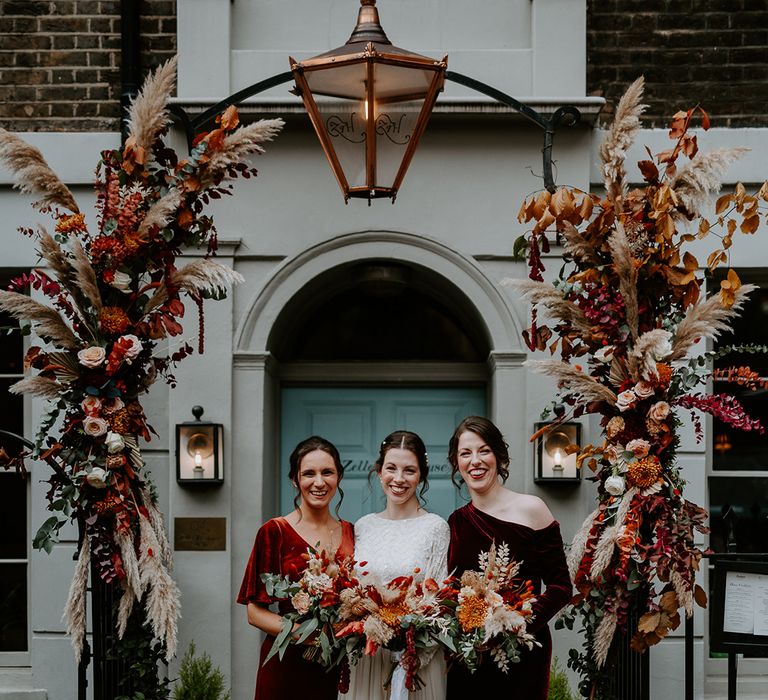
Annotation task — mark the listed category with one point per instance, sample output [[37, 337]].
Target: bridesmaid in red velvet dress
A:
[[315, 470], [478, 453]]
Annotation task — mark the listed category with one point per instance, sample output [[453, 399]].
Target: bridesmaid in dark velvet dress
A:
[[315, 470], [478, 453]]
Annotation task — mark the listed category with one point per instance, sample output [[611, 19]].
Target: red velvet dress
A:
[[277, 550], [543, 561]]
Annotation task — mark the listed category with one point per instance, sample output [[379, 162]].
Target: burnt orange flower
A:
[[70, 223], [113, 320], [471, 613], [644, 473], [390, 613], [663, 375]]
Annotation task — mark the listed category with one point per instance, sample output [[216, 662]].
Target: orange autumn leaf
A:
[[750, 224], [216, 139], [229, 119], [728, 289], [722, 203]]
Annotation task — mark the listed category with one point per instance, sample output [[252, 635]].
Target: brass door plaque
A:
[[199, 534]]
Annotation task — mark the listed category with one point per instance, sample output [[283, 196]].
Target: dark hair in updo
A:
[[492, 437], [405, 440], [301, 450]]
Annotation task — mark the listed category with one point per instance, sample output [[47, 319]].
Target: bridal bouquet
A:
[[492, 611], [405, 616], [315, 599]]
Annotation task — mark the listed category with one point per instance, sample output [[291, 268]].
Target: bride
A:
[[395, 542]]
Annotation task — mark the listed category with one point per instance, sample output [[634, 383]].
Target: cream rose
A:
[[91, 405], [133, 350], [615, 485], [92, 356], [95, 426], [121, 281], [659, 411], [114, 442], [97, 477], [605, 354], [626, 400], [300, 602], [614, 426], [639, 447], [644, 390], [611, 453]]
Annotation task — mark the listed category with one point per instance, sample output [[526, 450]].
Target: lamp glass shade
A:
[[552, 459], [199, 452]]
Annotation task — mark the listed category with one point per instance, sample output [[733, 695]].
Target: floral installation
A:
[[629, 301], [406, 616], [493, 608], [316, 598], [115, 297]]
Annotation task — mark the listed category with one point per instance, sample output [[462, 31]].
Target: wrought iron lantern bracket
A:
[[566, 115]]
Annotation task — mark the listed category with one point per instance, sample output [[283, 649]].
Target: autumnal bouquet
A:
[[491, 611], [315, 599], [405, 616], [628, 300], [114, 297]]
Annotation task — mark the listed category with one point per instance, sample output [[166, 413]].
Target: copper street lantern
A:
[[369, 102]]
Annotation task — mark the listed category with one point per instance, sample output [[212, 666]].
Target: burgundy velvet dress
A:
[[543, 561], [277, 550]]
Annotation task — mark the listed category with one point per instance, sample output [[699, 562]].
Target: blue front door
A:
[[357, 419]]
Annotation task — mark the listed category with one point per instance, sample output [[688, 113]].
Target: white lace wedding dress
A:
[[395, 548]]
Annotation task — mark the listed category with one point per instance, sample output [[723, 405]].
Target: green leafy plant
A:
[[199, 679], [559, 689]]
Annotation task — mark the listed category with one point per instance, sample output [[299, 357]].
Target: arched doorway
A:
[[367, 348]]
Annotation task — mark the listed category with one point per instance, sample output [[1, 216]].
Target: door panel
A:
[[357, 419]]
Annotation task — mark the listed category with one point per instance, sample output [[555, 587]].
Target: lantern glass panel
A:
[[345, 126], [198, 449]]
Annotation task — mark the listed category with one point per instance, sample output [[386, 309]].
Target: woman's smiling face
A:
[[317, 479], [476, 462], [399, 475]]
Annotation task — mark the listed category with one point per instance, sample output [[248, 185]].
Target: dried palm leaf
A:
[[700, 178], [641, 361], [706, 320], [148, 114], [618, 139], [579, 384], [134, 453], [74, 610], [32, 174], [161, 213], [37, 386], [48, 322], [551, 299], [64, 365], [201, 276], [618, 372], [626, 270]]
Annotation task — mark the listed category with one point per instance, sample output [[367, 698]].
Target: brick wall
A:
[[710, 51], [60, 61]]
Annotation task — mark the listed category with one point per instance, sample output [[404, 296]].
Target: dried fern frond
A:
[[576, 246], [700, 178], [577, 382], [618, 139], [551, 299], [48, 322], [148, 114], [200, 276], [241, 143], [641, 361], [706, 320], [161, 213], [37, 386], [74, 610], [32, 174], [626, 270]]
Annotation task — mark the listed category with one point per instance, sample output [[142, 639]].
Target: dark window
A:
[[13, 496]]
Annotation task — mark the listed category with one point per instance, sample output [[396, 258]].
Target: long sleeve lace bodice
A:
[[393, 548]]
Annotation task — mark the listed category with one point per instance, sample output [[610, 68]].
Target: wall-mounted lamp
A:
[[552, 462], [199, 451]]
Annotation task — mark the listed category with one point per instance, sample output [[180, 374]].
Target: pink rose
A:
[[611, 453], [638, 447], [91, 405], [95, 427], [614, 426], [626, 400], [300, 602], [131, 346], [644, 390], [659, 411], [92, 356], [112, 405]]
